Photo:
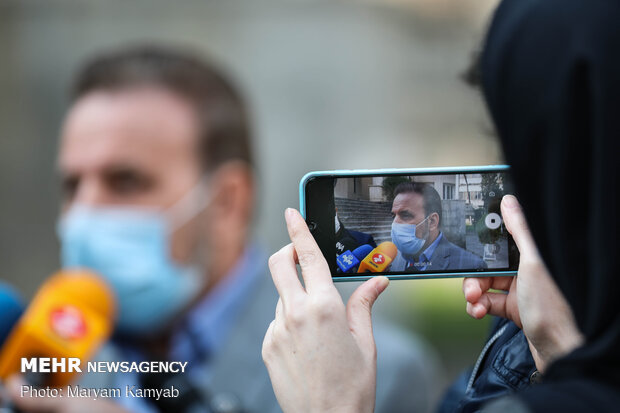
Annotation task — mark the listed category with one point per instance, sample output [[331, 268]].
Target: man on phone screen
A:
[[416, 231]]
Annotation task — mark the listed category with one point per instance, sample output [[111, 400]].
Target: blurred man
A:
[[417, 235], [159, 191]]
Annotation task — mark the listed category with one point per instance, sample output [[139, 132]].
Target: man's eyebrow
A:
[[119, 167], [124, 169]]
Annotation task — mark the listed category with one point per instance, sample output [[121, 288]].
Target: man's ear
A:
[[433, 221], [233, 191]]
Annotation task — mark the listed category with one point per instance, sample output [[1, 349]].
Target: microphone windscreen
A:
[[362, 251], [388, 248], [71, 315], [379, 259]]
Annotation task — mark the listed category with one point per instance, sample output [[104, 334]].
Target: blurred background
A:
[[331, 84]]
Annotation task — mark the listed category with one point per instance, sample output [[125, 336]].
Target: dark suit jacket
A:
[[446, 256], [363, 238]]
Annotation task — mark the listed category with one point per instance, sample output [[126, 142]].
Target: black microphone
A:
[[346, 243]]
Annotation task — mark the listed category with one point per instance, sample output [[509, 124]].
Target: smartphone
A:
[[410, 223]]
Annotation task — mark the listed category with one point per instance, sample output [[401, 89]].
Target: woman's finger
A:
[[494, 304], [473, 287], [359, 309], [314, 268], [284, 273], [517, 226]]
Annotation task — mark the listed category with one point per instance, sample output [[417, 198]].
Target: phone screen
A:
[[417, 224]]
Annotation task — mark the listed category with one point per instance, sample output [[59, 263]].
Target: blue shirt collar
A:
[[425, 258], [206, 327]]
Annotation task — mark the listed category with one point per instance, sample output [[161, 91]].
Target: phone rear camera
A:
[[312, 226]]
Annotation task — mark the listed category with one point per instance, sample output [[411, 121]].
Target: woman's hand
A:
[[321, 355], [531, 299]]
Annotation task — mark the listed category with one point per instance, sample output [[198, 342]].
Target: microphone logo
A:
[[348, 259], [68, 322], [378, 258]]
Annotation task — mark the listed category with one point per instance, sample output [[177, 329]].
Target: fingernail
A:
[[382, 283], [510, 201], [479, 309], [288, 212]]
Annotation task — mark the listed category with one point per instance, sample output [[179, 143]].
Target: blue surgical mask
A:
[[130, 248], [404, 236]]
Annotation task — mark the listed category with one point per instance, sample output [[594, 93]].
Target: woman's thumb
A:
[[359, 308]]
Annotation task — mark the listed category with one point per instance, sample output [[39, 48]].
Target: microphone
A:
[[379, 259], [70, 317], [11, 308], [348, 260]]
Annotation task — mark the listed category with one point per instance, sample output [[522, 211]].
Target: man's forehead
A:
[[408, 200], [131, 126]]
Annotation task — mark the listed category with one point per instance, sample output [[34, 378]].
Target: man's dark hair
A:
[[224, 124], [432, 200]]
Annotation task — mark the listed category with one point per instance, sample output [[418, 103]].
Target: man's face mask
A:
[[404, 236], [130, 248]]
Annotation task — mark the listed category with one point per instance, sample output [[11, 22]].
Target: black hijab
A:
[[551, 78]]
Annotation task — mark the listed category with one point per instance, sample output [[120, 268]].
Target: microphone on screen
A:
[[349, 260], [379, 259], [346, 244]]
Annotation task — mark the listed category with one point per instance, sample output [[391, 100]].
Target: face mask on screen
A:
[[130, 248], [404, 236]]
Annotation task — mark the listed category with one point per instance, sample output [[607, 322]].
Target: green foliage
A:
[[390, 183]]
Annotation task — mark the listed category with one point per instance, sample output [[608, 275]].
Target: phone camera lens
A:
[[312, 226]]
